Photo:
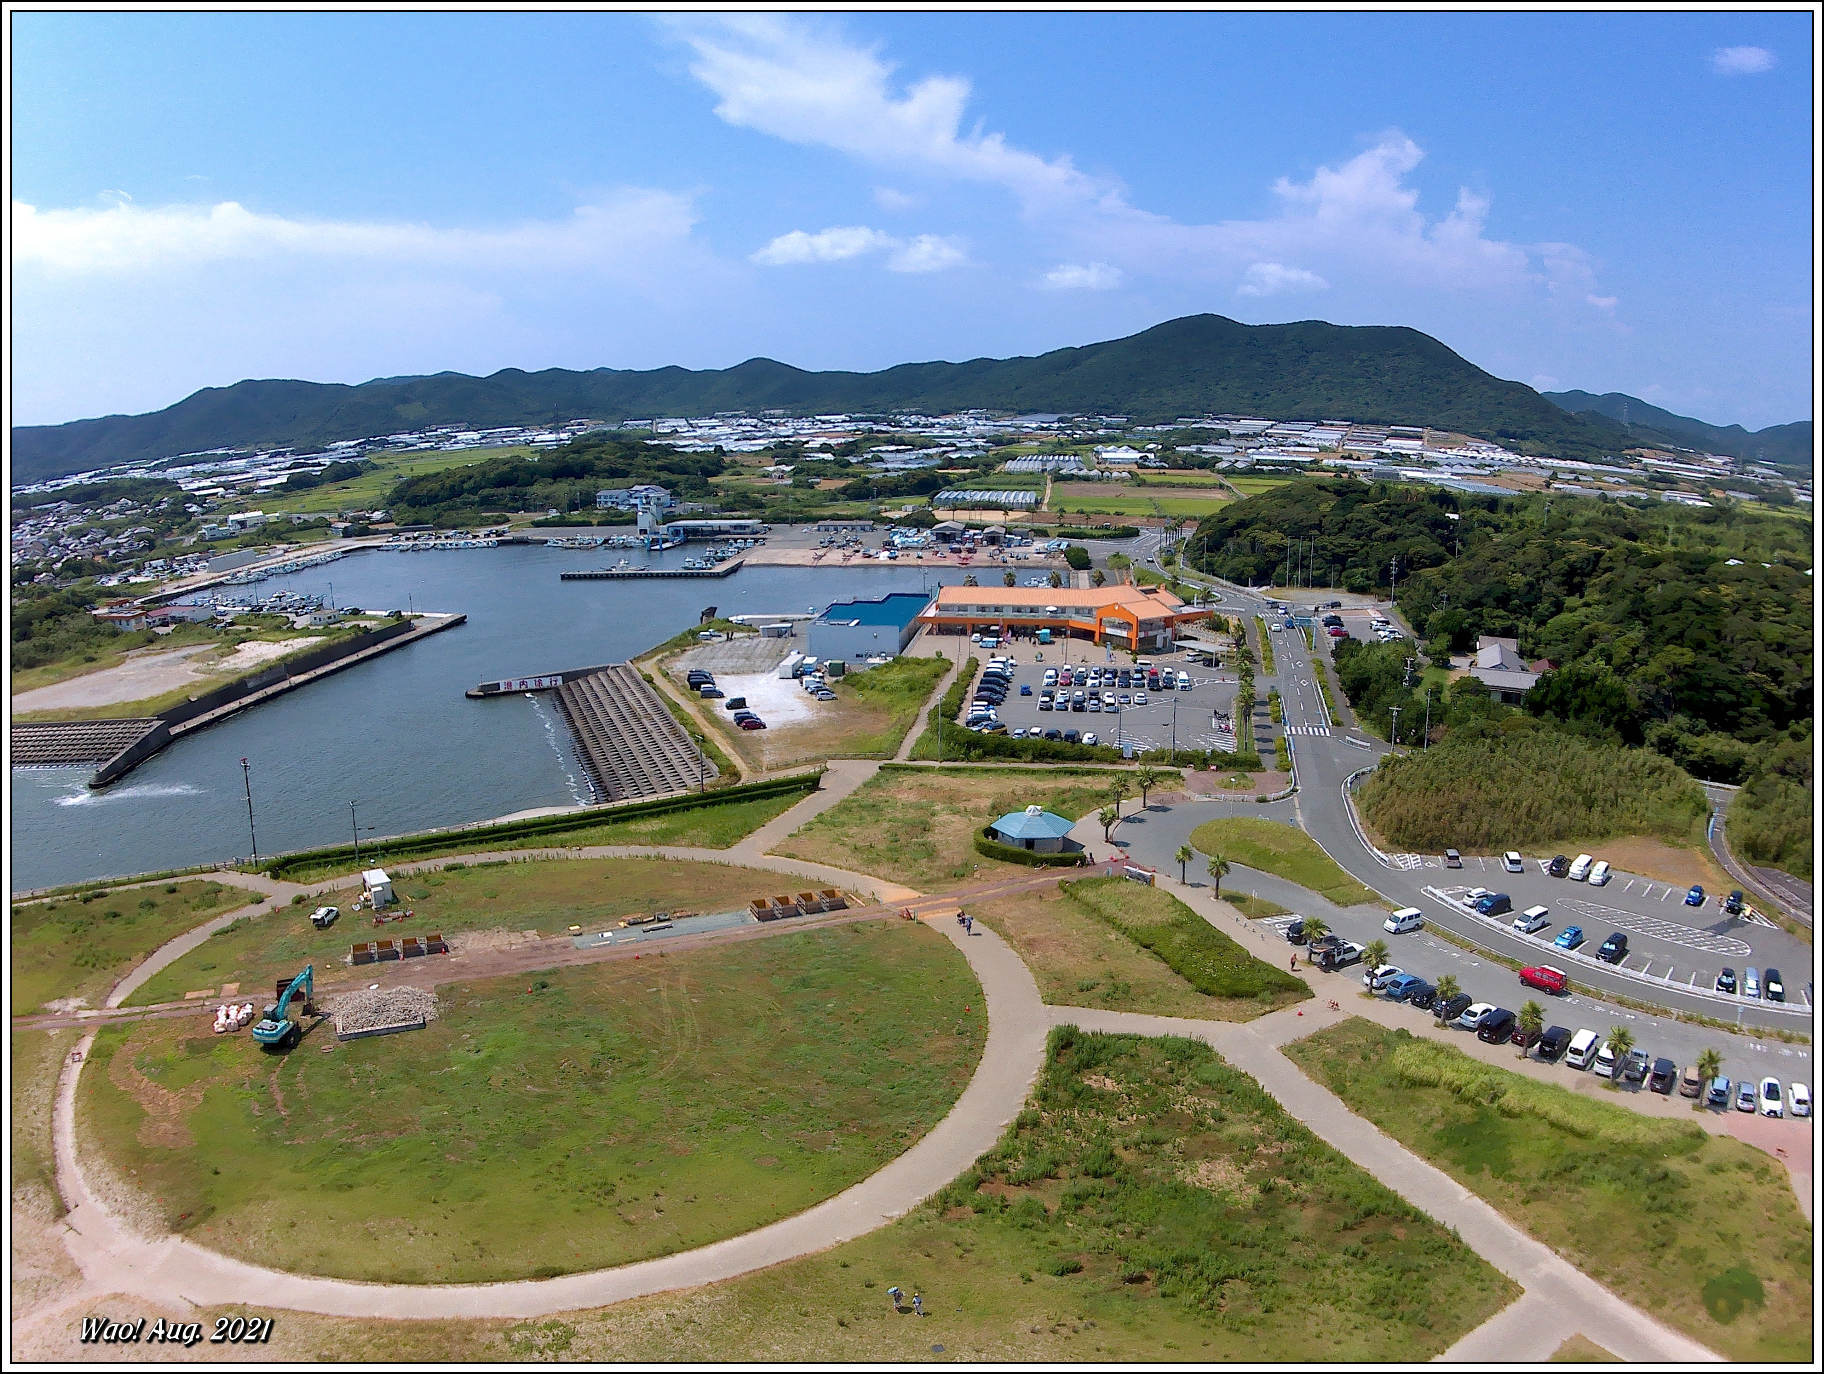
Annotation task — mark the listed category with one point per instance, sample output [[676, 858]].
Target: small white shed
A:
[[379, 887]]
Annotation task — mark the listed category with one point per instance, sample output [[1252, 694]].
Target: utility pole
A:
[[1406, 679], [1427, 743], [247, 781], [1394, 733], [354, 826], [1393, 577]]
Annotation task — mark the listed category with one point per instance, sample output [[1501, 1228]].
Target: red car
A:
[[1338, 632], [1545, 978]]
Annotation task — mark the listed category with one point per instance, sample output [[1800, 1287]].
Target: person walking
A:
[[894, 1294], [1295, 963], [918, 1304]]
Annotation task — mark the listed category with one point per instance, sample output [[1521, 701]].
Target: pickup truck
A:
[[324, 917], [1340, 955]]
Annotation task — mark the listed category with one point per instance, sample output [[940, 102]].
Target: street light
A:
[[357, 831], [1394, 733], [247, 781]]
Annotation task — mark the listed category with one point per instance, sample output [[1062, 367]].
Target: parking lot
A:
[[1199, 715]]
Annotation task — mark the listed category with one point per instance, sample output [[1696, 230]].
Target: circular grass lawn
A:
[[549, 1123]]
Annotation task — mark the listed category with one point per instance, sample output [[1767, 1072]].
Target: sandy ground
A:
[[776, 700], [151, 673]]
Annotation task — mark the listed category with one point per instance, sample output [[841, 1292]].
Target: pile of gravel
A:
[[373, 1008]]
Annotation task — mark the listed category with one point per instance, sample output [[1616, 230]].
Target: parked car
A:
[[1025, 689], [1071, 737], [1583, 1049], [1343, 955], [1497, 1028], [1404, 921], [752, 723], [1569, 938], [1532, 920], [1751, 982], [1733, 903], [1634, 1067], [1579, 870], [1600, 872], [1614, 949], [1091, 738], [1725, 981], [1377, 979], [1695, 897], [1800, 1097], [1295, 933], [1556, 868], [1553, 1042], [324, 917], [1422, 995], [1512, 862], [1605, 1064], [1689, 1083], [1451, 1009], [1473, 1015], [1495, 904], [1545, 978], [1745, 1097], [1718, 1093], [1771, 1103], [1452, 859], [1398, 989], [1525, 1036], [1663, 1075], [1772, 987]]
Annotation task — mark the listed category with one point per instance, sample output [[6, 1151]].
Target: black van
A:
[[1553, 1042], [1497, 1027]]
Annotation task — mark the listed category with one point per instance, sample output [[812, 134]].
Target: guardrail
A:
[[1650, 979]]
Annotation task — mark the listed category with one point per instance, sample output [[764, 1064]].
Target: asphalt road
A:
[[1666, 938]]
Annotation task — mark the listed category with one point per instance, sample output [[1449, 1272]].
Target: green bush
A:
[[990, 848]]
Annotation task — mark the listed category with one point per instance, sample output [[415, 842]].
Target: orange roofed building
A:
[[1120, 615]]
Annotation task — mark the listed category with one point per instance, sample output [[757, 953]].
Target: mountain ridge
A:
[[1788, 445], [1198, 364]]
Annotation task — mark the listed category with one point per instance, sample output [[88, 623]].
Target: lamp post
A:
[[247, 782], [1394, 733]]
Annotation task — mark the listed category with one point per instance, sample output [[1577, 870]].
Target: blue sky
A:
[[1602, 201]]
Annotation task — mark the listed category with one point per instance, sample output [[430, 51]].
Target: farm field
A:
[[73, 949], [1702, 1231], [1150, 1204], [544, 896], [1282, 850], [918, 825], [1249, 485], [1110, 499], [369, 491], [590, 1117]]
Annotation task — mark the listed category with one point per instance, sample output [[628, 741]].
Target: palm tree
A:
[[1219, 869], [1316, 927], [970, 581], [1147, 779], [1532, 1021], [1008, 579], [1448, 987], [1057, 578], [1375, 954], [1620, 1041], [1184, 856], [1709, 1065], [1098, 577], [1119, 790], [1108, 816]]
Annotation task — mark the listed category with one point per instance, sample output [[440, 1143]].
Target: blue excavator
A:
[[276, 1029]]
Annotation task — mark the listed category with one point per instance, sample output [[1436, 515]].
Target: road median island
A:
[[1285, 852], [1702, 1231]]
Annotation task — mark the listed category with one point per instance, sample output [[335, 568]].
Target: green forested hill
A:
[[1202, 364], [1786, 446]]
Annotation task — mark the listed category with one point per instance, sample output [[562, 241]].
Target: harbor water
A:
[[396, 735]]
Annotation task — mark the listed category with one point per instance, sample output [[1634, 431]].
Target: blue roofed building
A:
[[1035, 828], [863, 628]]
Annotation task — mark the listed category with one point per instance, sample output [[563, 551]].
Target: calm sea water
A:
[[396, 735]]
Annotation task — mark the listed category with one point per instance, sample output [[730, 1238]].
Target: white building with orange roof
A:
[[1120, 615]]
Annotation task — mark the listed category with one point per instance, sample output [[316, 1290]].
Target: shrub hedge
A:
[[990, 848]]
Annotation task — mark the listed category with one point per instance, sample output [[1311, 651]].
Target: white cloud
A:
[[925, 253], [1603, 302], [1084, 276], [1273, 279], [611, 236], [889, 198], [1744, 61]]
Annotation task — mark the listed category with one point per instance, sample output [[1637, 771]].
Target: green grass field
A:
[[917, 825], [1701, 1231], [1150, 1205], [1283, 851], [545, 895], [1127, 502], [584, 1118], [1253, 486], [369, 491], [80, 946]]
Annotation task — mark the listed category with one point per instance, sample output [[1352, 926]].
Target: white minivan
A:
[[1580, 868], [1606, 1059], [1583, 1049], [1532, 919], [1404, 921], [1599, 873], [1513, 863]]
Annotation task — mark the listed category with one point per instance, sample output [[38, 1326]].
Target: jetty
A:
[[618, 574]]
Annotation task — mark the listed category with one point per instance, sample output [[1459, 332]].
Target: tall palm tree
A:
[[1147, 779], [1374, 954], [1008, 579], [1119, 791], [1709, 1065], [1532, 1021], [1620, 1041], [1184, 856], [1219, 869], [1057, 578], [1108, 816], [1448, 987]]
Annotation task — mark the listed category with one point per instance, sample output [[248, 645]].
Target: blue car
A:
[[1025, 689], [1695, 897], [1569, 938]]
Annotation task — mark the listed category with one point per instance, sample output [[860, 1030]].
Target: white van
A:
[[1583, 1049], [1599, 873], [1403, 921], [1532, 919], [1513, 863], [1751, 982], [1606, 1058], [1580, 868]]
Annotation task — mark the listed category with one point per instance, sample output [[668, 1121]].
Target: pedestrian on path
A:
[[894, 1294], [918, 1304], [1295, 963], [968, 925]]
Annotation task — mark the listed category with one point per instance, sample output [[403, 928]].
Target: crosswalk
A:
[[1308, 730], [1408, 862]]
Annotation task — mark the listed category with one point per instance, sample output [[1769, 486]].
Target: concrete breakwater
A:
[[123, 745], [622, 574]]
